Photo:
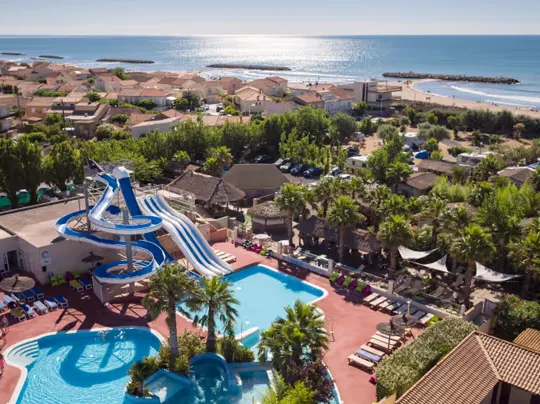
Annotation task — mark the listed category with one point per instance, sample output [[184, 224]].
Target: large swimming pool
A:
[[263, 294], [82, 367]]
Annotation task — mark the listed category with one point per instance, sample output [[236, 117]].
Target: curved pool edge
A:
[[24, 372]]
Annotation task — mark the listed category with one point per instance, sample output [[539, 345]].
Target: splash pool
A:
[[263, 293], [80, 367]]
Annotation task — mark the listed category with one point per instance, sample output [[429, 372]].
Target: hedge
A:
[[515, 315], [406, 366]]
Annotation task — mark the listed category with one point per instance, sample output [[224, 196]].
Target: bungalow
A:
[[503, 373], [256, 179], [517, 175], [437, 167], [162, 122], [61, 77], [272, 86], [65, 104], [38, 107], [253, 100], [212, 91], [336, 101], [417, 184], [107, 82]]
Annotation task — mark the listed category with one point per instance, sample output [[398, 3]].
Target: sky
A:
[[282, 17]]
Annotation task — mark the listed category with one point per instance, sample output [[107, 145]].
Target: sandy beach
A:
[[410, 93]]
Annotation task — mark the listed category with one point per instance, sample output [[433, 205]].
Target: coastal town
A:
[[183, 237]]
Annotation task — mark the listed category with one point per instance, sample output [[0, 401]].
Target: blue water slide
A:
[[138, 224], [184, 240], [193, 230]]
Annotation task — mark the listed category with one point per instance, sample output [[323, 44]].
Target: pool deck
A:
[[352, 325]]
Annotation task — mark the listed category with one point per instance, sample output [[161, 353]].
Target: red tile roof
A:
[[310, 98], [530, 338], [150, 92]]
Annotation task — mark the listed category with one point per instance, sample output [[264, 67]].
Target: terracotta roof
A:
[[129, 83], [131, 92], [530, 338], [136, 119], [6, 100], [277, 79], [442, 167], [310, 98], [168, 80], [96, 70], [256, 177], [519, 174], [150, 92], [207, 188], [172, 113], [41, 101], [421, 181], [343, 94], [473, 368], [229, 79]]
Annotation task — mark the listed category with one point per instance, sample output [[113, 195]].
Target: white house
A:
[[356, 162]]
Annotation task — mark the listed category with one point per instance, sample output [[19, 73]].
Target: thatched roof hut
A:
[[267, 217], [207, 189]]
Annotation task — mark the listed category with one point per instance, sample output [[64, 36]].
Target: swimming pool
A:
[[80, 367], [263, 294], [209, 383]]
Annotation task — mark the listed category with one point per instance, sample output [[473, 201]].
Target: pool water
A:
[[84, 367], [263, 294], [210, 386]]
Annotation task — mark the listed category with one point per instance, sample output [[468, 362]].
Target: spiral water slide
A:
[[138, 225]]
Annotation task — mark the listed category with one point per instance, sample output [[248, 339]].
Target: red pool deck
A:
[[351, 323]]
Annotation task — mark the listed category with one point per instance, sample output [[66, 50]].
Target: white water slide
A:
[[186, 235]]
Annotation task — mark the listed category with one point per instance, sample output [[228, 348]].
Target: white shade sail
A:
[[407, 254], [439, 265], [489, 275]]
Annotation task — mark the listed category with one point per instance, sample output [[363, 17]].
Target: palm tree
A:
[[300, 333], [168, 286], [343, 212], [525, 253], [535, 179], [356, 187], [435, 210], [395, 231], [377, 197], [326, 190], [454, 220], [216, 301], [223, 156], [474, 244], [142, 370], [292, 199]]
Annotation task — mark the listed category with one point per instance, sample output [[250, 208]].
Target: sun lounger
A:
[[459, 281], [230, 259], [426, 318], [371, 297], [415, 287], [50, 303], [392, 337], [372, 350], [76, 285], [18, 314], [38, 292], [364, 364], [404, 285], [384, 305], [40, 307], [393, 306], [384, 339], [402, 309], [29, 296], [9, 299], [61, 302], [3, 306], [28, 310], [438, 292], [378, 301], [383, 345], [368, 355], [419, 314], [85, 283], [18, 297]]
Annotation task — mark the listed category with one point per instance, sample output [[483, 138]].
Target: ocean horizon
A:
[[319, 58]]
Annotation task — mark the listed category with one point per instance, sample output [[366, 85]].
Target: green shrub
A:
[[515, 315], [347, 281], [406, 366], [233, 351], [360, 286], [334, 277]]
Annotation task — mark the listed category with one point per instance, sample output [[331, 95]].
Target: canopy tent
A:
[[489, 275], [439, 265], [407, 254]]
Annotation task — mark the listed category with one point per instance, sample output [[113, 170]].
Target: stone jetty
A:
[[51, 57], [249, 67], [451, 77], [12, 53]]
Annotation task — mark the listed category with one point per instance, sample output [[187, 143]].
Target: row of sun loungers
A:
[[226, 257], [80, 284], [370, 354], [24, 311], [378, 302]]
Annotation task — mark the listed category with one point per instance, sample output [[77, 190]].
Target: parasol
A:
[[91, 258], [405, 320], [17, 283], [390, 329]]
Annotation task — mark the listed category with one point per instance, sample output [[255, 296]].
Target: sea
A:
[[335, 59]]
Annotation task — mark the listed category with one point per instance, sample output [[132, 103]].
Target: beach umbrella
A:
[[17, 283], [390, 329], [405, 320], [91, 258]]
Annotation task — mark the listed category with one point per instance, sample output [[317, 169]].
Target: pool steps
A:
[[24, 354]]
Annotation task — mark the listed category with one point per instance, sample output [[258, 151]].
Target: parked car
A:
[[344, 177], [287, 167], [279, 162], [312, 172], [334, 172], [263, 158], [299, 169]]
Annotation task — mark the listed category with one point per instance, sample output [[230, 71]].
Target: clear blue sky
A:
[[304, 17]]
